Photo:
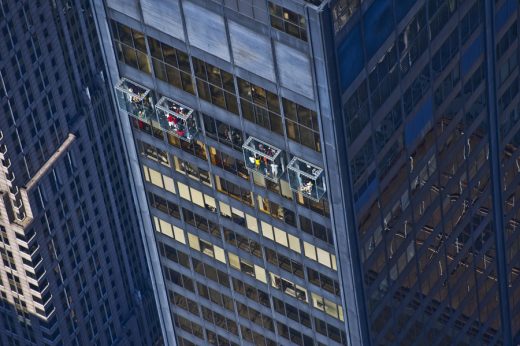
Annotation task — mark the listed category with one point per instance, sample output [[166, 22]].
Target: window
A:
[[168, 229], [164, 205], [248, 245], [171, 65], [228, 163], [247, 267], [223, 133], [288, 287], [316, 229], [260, 106], [206, 247], [302, 125], [413, 41], [215, 85], [130, 47], [356, 112], [251, 292], [440, 12], [287, 21], [255, 316], [342, 11], [153, 153], [192, 171], [323, 281], [383, 78], [234, 190], [158, 179]]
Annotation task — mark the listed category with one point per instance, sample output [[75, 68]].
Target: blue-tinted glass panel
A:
[[472, 53], [350, 57], [379, 23], [508, 9], [368, 190], [418, 123], [402, 7]]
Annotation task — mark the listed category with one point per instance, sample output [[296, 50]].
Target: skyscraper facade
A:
[[221, 108], [70, 244], [323, 172], [428, 92]]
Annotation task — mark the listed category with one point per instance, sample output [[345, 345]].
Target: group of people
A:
[[140, 106], [262, 163], [233, 136], [181, 127], [306, 184]]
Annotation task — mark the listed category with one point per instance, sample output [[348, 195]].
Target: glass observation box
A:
[[263, 158], [134, 99], [176, 118], [306, 178]]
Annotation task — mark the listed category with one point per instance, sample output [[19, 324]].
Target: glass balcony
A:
[[263, 158], [306, 178], [135, 100], [176, 118]]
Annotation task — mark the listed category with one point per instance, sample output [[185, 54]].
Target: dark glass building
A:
[[323, 172], [72, 271], [428, 92]]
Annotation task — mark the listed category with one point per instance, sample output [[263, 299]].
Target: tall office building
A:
[[70, 245], [225, 114], [430, 125], [323, 172]]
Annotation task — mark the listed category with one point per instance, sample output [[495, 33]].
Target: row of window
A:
[[204, 201], [287, 21], [246, 267], [217, 86], [246, 244], [248, 291], [198, 149]]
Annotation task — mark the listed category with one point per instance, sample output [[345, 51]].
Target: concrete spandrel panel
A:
[[206, 30], [251, 50], [163, 15], [128, 7], [294, 70]]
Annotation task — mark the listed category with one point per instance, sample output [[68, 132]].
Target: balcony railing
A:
[[176, 119], [263, 158], [134, 99], [306, 178]]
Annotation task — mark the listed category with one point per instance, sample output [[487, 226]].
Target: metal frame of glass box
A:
[[134, 99], [176, 118], [306, 178], [263, 158]]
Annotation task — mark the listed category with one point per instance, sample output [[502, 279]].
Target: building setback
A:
[[323, 172], [72, 271]]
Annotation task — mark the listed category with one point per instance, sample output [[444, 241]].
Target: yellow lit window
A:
[[225, 210], [280, 237], [166, 228], [294, 243], [179, 235], [310, 250], [219, 254], [194, 241], [168, 184], [260, 274], [184, 191], [333, 260], [156, 177], [252, 224], [146, 174], [323, 257], [234, 261], [267, 230], [196, 197]]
